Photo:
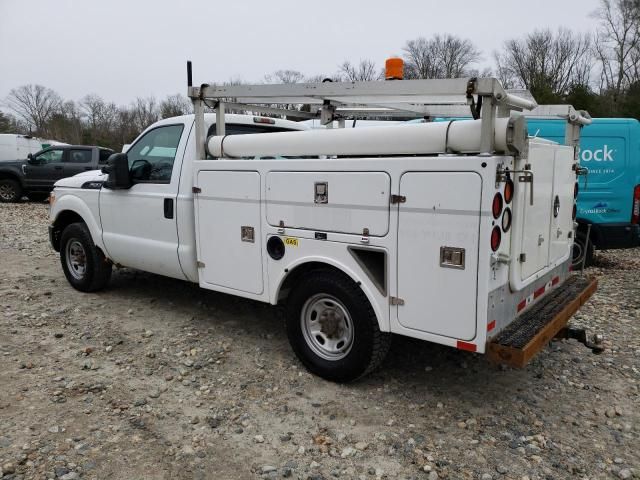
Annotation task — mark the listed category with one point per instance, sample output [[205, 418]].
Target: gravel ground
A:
[[155, 378]]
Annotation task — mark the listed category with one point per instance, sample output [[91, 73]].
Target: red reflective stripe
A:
[[491, 325], [555, 280], [571, 268], [522, 304], [538, 292], [470, 347]]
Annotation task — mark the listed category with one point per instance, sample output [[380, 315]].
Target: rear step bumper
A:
[[528, 334]]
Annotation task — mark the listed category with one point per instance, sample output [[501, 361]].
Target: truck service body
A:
[[451, 233]]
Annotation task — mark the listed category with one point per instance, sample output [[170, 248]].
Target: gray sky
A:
[[121, 49]]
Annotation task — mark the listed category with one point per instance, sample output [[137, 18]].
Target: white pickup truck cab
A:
[[458, 233]]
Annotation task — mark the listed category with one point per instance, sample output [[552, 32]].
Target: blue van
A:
[[609, 196]]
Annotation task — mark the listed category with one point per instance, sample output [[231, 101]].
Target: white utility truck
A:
[[457, 233]]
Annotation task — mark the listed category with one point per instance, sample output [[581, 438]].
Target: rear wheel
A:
[[10, 190], [84, 265], [581, 249], [332, 327]]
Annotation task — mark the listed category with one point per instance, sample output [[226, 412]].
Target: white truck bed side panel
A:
[[442, 209], [354, 201], [229, 201]]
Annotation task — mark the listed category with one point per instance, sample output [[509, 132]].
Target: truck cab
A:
[[609, 195], [150, 226]]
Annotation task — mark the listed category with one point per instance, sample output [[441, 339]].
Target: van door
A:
[[139, 228]]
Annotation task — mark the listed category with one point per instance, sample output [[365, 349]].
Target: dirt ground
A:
[[156, 379]]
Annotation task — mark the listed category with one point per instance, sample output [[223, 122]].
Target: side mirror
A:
[[31, 160], [117, 168]]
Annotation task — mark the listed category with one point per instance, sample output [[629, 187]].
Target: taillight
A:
[[508, 191], [635, 212], [496, 206], [506, 220], [496, 238], [575, 190]]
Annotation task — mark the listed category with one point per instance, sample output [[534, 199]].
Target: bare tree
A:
[[144, 112], [284, 76], [364, 71], [547, 64], [617, 44], [442, 56], [35, 104], [175, 105]]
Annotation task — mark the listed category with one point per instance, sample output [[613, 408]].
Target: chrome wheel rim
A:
[[7, 192], [76, 258], [327, 327]]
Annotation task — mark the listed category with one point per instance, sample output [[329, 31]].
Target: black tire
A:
[[10, 190], [368, 346], [582, 248], [38, 196], [91, 271]]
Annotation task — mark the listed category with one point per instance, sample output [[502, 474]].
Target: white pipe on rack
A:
[[425, 138]]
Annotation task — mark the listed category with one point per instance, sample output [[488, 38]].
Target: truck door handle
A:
[[57, 167], [168, 208]]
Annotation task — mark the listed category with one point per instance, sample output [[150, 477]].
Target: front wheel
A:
[[10, 190], [332, 327], [582, 248], [84, 265]]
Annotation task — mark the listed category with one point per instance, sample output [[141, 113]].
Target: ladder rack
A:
[[483, 98]]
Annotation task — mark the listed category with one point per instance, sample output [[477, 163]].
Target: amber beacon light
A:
[[394, 69]]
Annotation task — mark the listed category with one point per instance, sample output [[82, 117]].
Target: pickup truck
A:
[[456, 233], [36, 175]]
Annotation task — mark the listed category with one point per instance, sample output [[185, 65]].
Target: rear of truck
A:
[[533, 293]]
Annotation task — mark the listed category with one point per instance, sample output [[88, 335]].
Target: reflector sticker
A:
[[469, 347], [555, 280], [491, 325]]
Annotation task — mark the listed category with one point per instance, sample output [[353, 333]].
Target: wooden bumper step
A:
[[529, 333]]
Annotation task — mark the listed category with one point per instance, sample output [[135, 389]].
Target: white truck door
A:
[[562, 207], [534, 227], [442, 210], [228, 230], [139, 224]]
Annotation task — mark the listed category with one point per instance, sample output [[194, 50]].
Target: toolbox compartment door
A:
[[351, 202], [228, 230], [560, 235], [442, 210]]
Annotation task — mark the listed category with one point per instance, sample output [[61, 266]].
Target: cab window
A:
[[50, 156], [151, 158], [79, 156]]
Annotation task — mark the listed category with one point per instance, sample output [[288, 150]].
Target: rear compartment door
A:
[[533, 220], [562, 206], [442, 209]]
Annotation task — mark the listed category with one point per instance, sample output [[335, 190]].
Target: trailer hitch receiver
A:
[[594, 342]]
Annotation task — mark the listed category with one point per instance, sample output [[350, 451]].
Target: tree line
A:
[[597, 71]]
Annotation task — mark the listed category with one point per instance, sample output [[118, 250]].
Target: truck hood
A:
[[81, 179]]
